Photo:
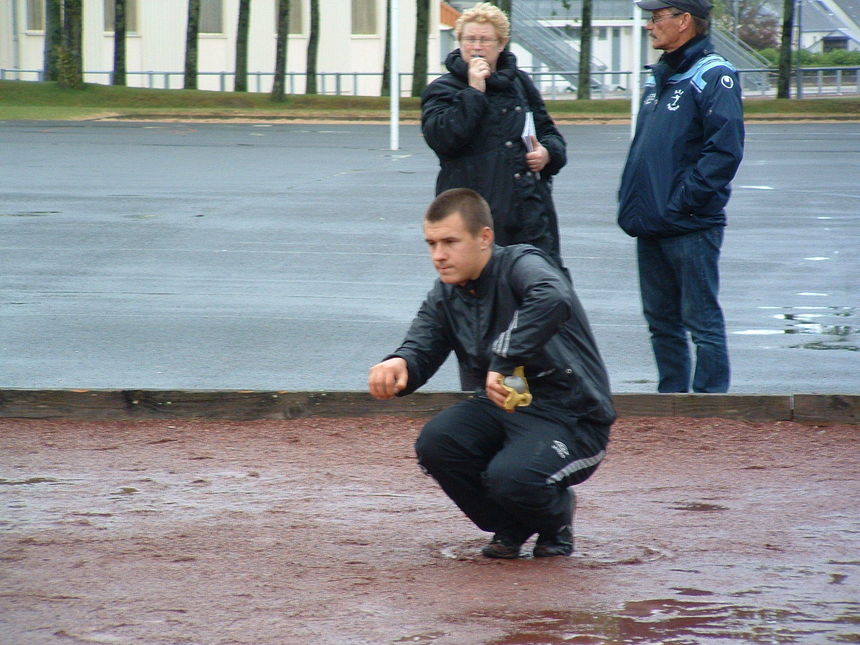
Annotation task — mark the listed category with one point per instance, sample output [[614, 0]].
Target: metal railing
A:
[[608, 84], [332, 83], [806, 82]]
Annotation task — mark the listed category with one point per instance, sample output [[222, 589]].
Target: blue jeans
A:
[[679, 282]]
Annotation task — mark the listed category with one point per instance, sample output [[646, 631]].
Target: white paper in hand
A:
[[529, 131]]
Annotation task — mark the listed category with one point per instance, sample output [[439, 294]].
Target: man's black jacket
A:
[[521, 311]]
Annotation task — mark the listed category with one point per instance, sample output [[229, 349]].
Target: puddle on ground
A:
[[29, 214], [669, 620], [698, 506], [831, 325]]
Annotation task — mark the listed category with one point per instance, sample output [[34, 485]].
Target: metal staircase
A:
[[742, 56], [548, 44]]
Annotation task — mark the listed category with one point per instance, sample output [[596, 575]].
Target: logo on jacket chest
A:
[[676, 96]]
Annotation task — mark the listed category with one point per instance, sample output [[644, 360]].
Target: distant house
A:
[[352, 42], [828, 25]]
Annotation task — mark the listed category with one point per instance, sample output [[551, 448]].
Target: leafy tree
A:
[[53, 37], [750, 20], [191, 31], [278, 89], [839, 57], [419, 67], [835, 58], [70, 64], [313, 48], [240, 80], [119, 25]]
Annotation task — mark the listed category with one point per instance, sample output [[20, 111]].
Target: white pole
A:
[[635, 90], [394, 72]]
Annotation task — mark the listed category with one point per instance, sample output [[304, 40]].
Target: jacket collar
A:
[[483, 283], [502, 78], [682, 58]]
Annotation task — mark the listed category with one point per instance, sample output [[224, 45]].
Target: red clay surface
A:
[[325, 531]]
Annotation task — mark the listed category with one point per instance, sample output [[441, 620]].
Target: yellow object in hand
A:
[[518, 389]]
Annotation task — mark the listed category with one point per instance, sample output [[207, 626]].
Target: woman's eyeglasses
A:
[[479, 41]]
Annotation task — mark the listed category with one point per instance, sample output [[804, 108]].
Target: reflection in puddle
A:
[[830, 324], [668, 620]]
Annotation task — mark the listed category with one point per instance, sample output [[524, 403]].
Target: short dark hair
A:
[[473, 208]]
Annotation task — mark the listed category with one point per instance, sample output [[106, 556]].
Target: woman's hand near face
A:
[[479, 72]]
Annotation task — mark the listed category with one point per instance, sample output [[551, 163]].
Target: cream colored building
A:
[[350, 53]]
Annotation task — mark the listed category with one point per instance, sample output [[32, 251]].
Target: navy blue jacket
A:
[[688, 145]]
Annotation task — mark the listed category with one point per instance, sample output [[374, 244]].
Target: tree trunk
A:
[[583, 89], [119, 25], [783, 88], [240, 79], [53, 37], [191, 32], [313, 48], [70, 60], [278, 89], [385, 89], [422, 33]]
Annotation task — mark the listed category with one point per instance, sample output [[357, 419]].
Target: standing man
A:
[[501, 310], [674, 189]]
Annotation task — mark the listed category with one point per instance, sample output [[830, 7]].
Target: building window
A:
[[211, 17], [834, 43], [35, 15], [130, 15], [296, 16], [296, 8], [363, 17]]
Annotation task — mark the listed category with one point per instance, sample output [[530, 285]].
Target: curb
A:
[[246, 405], [382, 119]]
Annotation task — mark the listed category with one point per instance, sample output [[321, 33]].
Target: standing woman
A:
[[474, 118]]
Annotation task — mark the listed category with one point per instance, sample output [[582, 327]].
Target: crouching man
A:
[[508, 455]]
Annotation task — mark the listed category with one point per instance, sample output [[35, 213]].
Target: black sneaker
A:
[[560, 543], [505, 545]]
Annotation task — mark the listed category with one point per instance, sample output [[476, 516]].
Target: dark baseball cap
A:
[[699, 8]]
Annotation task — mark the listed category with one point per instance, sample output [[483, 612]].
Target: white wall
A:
[[159, 44]]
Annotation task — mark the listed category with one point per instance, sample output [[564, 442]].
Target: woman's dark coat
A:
[[477, 137]]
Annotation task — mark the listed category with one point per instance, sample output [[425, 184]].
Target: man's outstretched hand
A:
[[388, 378]]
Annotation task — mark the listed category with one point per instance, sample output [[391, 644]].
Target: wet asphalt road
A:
[[290, 256]]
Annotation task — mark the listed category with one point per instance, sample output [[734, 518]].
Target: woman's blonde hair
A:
[[483, 13]]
